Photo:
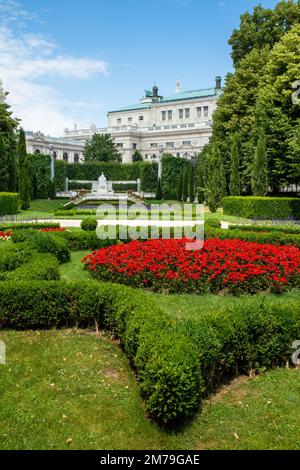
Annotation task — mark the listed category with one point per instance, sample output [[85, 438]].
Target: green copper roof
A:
[[181, 96], [190, 94], [132, 107]]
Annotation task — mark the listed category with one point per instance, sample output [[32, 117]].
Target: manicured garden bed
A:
[[220, 266]]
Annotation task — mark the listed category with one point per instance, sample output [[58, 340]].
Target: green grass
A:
[[42, 209], [73, 271], [69, 389]]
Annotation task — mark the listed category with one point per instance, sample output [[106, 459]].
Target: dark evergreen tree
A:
[[101, 148], [185, 183], [192, 184], [179, 186], [216, 182], [4, 175], [259, 169], [24, 179], [158, 195], [235, 182], [137, 156]]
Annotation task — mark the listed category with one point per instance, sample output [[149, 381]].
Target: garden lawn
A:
[[69, 389], [42, 208], [73, 270]]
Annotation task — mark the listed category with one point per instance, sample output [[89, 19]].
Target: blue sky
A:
[[67, 61]]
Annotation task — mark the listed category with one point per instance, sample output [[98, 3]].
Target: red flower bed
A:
[[52, 229], [5, 235], [222, 265]]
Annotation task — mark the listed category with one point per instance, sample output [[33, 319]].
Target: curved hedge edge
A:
[[169, 377], [250, 207]]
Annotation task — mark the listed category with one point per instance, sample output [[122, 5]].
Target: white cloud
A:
[[26, 58]]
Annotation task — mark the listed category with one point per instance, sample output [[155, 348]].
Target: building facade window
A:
[[134, 146], [153, 157], [187, 112], [170, 115], [199, 112], [55, 155], [76, 158], [170, 144], [141, 118], [37, 152], [164, 115], [180, 112], [186, 142], [119, 121], [120, 145], [65, 157], [205, 111], [153, 144], [130, 119]]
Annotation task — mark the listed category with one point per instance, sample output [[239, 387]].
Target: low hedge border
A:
[[272, 238], [22, 226], [177, 362], [291, 230], [280, 208], [9, 203]]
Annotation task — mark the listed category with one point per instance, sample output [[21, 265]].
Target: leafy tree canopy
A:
[[101, 148]]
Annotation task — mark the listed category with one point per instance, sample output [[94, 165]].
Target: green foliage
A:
[[137, 156], [89, 224], [22, 226], [4, 175], [262, 207], [124, 187], [159, 194], [148, 176], [101, 148], [263, 27], [21, 235], [235, 183], [215, 188], [185, 182], [11, 256], [73, 185], [40, 175], [179, 187], [265, 236], [38, 268], [259, 180], [84, 240], [171, 174], [24, 178], [9, 203], [289, 229], [60, 171], [112, 170], [49, 243], [192, 184]]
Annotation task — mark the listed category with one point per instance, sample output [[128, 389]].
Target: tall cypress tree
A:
[[216, 182], [4, 175], [185, 183], [179, 186], [12, 165], [158, 195], [192, 184], [259, 181], [235, 182], [24, 185]]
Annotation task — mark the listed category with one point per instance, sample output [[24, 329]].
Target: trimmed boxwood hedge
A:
[[291, 229], [9, 203], [28, 225], [271, 237], [177, 362], [262, 207]]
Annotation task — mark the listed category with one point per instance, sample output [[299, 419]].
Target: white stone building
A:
[[180, 124], [62, 149]]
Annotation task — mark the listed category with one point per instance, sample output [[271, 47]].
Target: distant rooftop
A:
[[178, 96]]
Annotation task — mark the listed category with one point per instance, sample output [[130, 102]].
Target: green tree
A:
[[235, 183], [275, 110], [185, 182], [259, 170], [159, 194], [24, 179], [101, 148], [137, 156], [215, 188], [263, 27], [4, 175], [8, 126], [192, 184], [179, 186]]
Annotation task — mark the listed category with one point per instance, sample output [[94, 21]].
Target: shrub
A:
[[262, 207], [31, 225], [49, 243], [20, 236], [85, 241], [177, 362], [231, 265], [11, 256], [89, 224], [9, 203], [289, 229], [39, 267], [272, 237]]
